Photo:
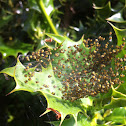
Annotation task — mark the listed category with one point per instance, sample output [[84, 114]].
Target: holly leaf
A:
[[15, 49], [103, 12], [81, 121], [9, 71], [117, 116], [57, 73], [115, 103], [120, 34], [118, 17], [121, 38], [67, 108], [48, 84]]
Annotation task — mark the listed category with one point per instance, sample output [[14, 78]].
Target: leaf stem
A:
[[42, 8]]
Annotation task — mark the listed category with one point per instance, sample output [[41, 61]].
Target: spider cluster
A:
[[83, 70]]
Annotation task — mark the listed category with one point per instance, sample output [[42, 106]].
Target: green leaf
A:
[[58, 38], [81, 121], [117, 94], [51, 82], [121, 37], [33, 84], [33, 5], [118, 99], [15, 49], [115, 103], [118, 17], [117, 116], [9, 71], [103, 12], [65, 107], [40, 81], [100, 2], [120, 34]]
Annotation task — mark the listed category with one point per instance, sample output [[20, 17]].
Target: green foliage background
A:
[[23, 27]]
